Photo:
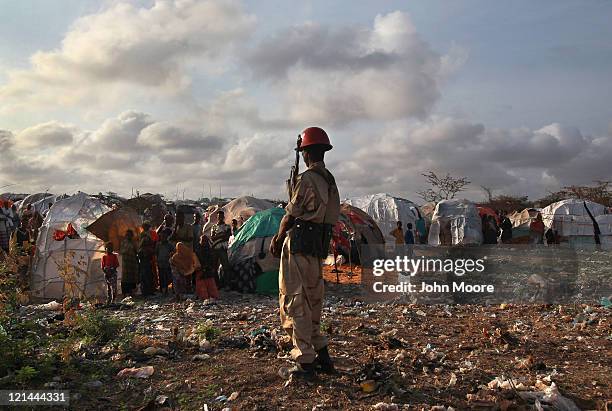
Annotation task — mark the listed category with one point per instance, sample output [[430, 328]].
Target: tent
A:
[[40, 202], [520, 222], [356, 226], [387, 210], [483, 210], [252, 243], [113, 225], [605, 226], [241, 207], [151, 206], [571, 220], [70, 266], [455, 222]]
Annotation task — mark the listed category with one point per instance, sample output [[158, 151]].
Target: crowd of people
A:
[[176, 256]]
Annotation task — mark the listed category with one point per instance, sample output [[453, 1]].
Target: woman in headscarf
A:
[[129, 264], [184, 264]]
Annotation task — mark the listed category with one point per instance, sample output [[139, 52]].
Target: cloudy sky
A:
[[192, 96]]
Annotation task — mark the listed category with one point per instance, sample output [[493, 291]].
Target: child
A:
[[163, 251], [206, 287], [110, 263]]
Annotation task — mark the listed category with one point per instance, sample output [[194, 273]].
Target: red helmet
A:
[[315, 135]]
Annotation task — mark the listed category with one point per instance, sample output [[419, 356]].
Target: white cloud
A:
[[50, 134], [124, 45], [337, 76]]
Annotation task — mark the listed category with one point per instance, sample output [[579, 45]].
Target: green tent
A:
[[253, 240]]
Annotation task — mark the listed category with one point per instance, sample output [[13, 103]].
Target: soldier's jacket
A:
[[313, 198]]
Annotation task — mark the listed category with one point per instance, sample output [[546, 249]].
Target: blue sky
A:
[[519, 65]]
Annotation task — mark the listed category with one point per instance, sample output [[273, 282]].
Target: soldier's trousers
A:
[[301, 292]]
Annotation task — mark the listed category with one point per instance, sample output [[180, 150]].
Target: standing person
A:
[[5, 231], [163, 251], [398, 233], [536, 230], [182, 232], [21, 236], [506, 229], [197, 231], [302, 242], [110, 264], [409, 235], [206, 288], [220, 234], [146, 250], [421, 228], [167, 224], [184, 263], [489, 229], [129, 264], [235, 227], [15, 216]]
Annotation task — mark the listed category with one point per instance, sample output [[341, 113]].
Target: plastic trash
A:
[[50, 306], [155, 351], [383, 406], [142, 372]]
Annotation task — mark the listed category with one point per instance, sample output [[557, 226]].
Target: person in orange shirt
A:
[[398, 233]]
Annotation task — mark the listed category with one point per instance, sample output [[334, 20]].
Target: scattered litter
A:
[[50, 306], [142, 372], [233, 396], [155, 351], [382, 406], [93, 384], [200, 357], [368, 386]]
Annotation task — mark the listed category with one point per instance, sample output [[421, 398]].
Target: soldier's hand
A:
[[274, 247]]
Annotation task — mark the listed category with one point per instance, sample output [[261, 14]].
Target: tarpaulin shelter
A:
[[355, 228], [605, 226], [252, 243], [387, 210], [455, 222], [571, 219], [40, 202], [152, 206], [521, 220], [70, 267], [113, 225], [482, 210], [240, 208]]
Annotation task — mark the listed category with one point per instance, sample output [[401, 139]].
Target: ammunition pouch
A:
[[310, 238]]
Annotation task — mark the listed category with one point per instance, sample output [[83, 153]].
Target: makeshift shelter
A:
[[151, 206], [520, 222], [113, 225], [571, 220], [482, 210], [251, 245], [604, 222], [67, 256], [387, 210], [40, 202], [241, 208], [455, 222], [355, 228]]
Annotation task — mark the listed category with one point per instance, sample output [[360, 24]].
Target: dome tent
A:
[[455, 222], [571, 219], [356, 223], [252, 243], [245, 207], [77, 258], [387, 210]]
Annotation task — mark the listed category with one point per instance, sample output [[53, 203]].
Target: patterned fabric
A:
[[243, 276], [129, 262]]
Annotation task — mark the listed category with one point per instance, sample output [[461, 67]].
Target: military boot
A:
[[304, 372], [323, 362]]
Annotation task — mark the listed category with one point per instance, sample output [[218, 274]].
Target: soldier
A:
[[302, 242]]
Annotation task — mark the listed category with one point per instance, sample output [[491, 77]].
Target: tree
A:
[[442, 188], [600, 192]]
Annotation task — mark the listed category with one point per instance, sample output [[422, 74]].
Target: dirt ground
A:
[[413, 356]]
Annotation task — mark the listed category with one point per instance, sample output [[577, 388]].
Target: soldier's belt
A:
[[310, 238]]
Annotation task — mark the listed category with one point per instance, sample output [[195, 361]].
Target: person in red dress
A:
[[110, 264]]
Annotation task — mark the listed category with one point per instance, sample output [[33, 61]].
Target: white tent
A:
[[387, 210], [604, 222], [455, 222], [241, 207], [570, 218], [71, 266]]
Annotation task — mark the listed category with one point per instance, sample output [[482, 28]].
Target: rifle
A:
[[295, 169]]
